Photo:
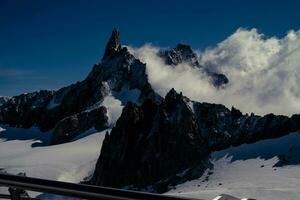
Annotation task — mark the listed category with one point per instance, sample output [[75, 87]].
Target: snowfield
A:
[[267, 169], [26, 150], [251, 171]]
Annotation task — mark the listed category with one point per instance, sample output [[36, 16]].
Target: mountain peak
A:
[[172, 94], [179, 54], [113, 44], [184, 47], [173, 97]]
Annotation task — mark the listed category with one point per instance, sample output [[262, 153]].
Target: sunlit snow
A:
[[26, 150]]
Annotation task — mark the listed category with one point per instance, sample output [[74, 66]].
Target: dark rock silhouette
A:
[[113, 44], [153, 144], [183, 53], [25, 110], [3, 100], [158, 145], [72, 126]]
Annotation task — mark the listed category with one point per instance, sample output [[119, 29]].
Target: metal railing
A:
[[81, 191]]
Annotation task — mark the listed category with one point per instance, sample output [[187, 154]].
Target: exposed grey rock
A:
[[183, 53], [3, 100], [70, 127], [223, 128], [25, 110]]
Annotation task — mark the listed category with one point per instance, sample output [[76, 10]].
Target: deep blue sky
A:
[[47, 44]]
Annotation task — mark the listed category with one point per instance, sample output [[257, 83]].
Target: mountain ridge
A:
[[180, 135], [156, 142]]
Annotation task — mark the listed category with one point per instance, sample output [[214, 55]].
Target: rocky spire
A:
[[113, 44], [186, 49], [173, 96]]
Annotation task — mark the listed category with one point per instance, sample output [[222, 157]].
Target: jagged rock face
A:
[[46, 108], [72, 126], [223, 128], [25, 110], [184, 54], [113, 44], [218, 80], [121, 68], [180, 54], [3, 100], [150, 144], [71, 100], [117, 69]]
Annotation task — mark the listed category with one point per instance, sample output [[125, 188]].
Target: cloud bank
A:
[[264, 72]]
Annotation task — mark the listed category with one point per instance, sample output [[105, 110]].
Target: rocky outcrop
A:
[[45, 109], [113, 44], [184, 54], [25, 110], [119, 68], [76, 98], [180, 54], [72, 126], [58, 110], [3, 100], [157, 145], [223, 128]]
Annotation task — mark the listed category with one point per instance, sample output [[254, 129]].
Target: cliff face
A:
[[3, 100], [158, 145], [26, 109], [152, 144]]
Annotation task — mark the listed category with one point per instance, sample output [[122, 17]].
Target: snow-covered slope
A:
[[23, 150], [267, 169]]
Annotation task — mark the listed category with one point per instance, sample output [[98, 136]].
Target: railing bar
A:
[[4, 196], [79, 190]]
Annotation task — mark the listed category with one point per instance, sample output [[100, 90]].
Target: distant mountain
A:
[[78, 107], [156, 142], [3, 100], [184, 54]]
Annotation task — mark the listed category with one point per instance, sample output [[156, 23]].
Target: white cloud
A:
[[264, 73]]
